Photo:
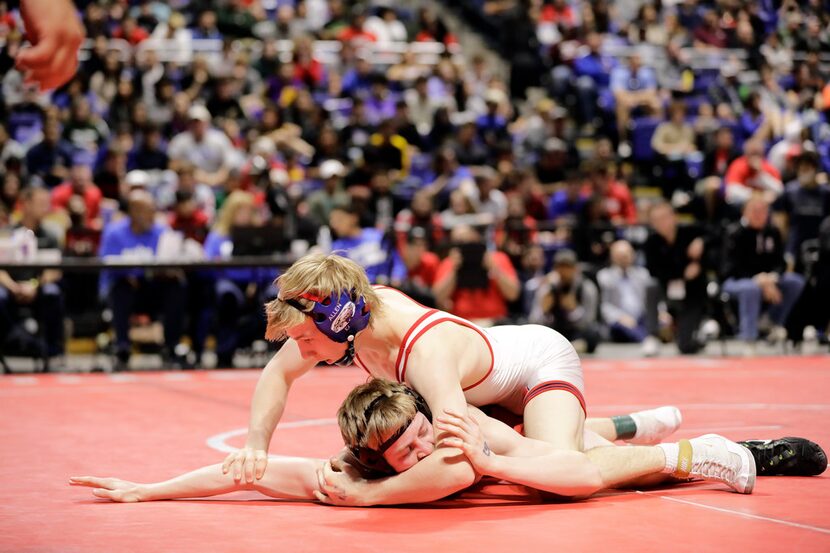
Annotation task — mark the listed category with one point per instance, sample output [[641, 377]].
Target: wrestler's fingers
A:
[[462, 418], [87, 481], [260, 465], [104, 493], [321, 481], [450, 425], [238, 465], [322, 498], [337, 464], [37, 55], [226, 464], [248, 467]]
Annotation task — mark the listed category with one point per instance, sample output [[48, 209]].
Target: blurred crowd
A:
[[650, 171]]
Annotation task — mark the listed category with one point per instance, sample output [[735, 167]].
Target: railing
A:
[[326, 52]]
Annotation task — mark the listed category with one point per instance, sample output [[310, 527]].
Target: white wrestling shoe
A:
[[653, 425], [714, 458]]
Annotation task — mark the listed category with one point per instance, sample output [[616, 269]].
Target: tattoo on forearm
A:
[[486, 449]]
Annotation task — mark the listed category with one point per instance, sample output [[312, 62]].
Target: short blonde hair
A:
[[320, 275], [388, 416], [235, 200]]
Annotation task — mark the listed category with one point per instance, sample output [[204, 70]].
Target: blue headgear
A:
[[339, 316]]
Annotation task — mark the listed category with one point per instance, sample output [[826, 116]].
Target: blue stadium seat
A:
[[642, 130]]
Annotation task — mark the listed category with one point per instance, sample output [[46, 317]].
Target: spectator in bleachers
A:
[[208, 149], [110, 176], [568, 302], [629, 303], [801, 208], [593, 71], [150, 153], [634, 86], [721, 154], [51, 157], [240, 291], [709, 32], [422, 105], [469, 149], [517, 231], [421, 266], [80, 184], [723, 92], [754, 273], [675, 257], [36, 290], [321, 202], [9, 148], [206, 27], [483, 300], [421, 214], [84, 130], [487, 198], [492, 125], [647, 27], [373, 249], [130, 291], [674, 140], [567, 203], [9, 194], [616, 196], [554, 162], [385, 26], [431, 28], [752, 173], [130, 31]]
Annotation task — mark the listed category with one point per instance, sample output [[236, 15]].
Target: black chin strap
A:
[[348, 357]]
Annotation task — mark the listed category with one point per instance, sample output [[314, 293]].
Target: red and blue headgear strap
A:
[[339, 316]]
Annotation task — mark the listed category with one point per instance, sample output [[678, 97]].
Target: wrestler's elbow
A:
[[458, 474], [587, 480]]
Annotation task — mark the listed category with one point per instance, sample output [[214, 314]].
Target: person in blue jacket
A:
[[130, 290]]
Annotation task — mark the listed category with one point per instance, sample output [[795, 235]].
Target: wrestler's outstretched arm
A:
[[284, 478]]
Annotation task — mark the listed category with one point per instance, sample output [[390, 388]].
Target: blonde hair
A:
[[320, 275], [234, 201], [388, 416]]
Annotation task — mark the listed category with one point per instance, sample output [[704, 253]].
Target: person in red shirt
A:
[[131, 31], [80, 184], [616, 196], [421, 265], [187, 218], [459, 287], [355, 30], [752, 173]]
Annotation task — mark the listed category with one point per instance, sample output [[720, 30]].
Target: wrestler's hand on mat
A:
[[465, 434], [113, 489], [340, 484], [55, 34], [247, 462]]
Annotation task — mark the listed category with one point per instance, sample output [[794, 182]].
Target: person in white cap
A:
[[321, 202], [208, 149]]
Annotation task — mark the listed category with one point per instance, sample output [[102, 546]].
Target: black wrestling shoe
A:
[[787, 457]]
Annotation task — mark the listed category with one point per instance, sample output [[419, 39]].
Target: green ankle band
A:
[[625, 426]]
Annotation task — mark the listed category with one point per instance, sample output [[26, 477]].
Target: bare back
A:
[[462, 345]]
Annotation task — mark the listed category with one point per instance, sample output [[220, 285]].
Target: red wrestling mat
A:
[[151, 426]]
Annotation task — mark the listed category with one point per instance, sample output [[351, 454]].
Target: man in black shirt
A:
[[33, 290], [754, 271], [674, 256], [801, 208]]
